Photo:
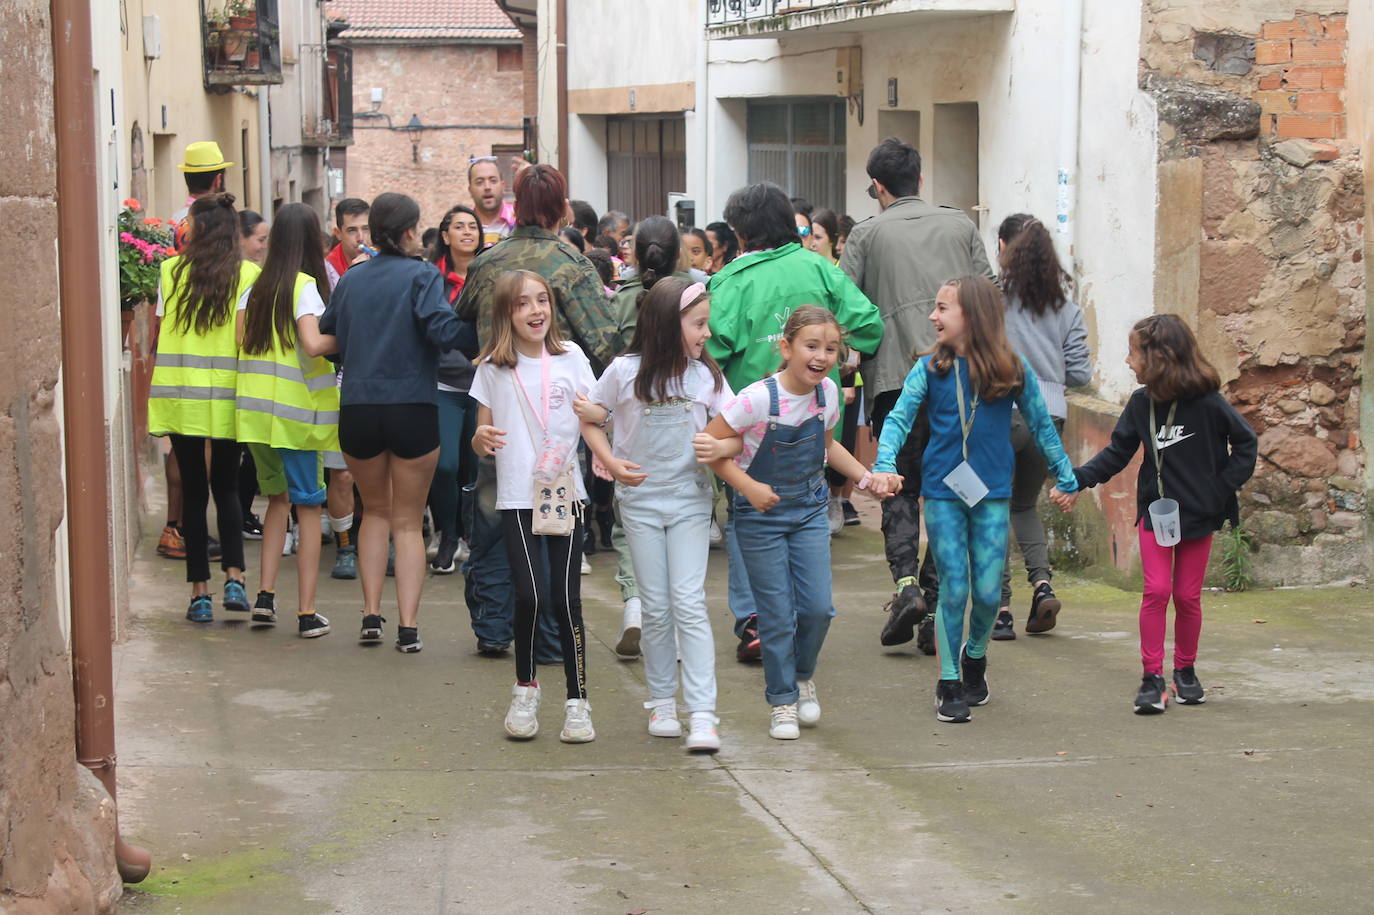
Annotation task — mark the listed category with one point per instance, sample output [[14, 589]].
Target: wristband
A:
[[605, 422]]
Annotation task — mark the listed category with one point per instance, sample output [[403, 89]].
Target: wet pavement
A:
[[269, 773]]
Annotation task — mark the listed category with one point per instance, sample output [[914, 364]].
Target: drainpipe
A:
[[83, 399], [561, 62], [1070, 67], [265, 154]]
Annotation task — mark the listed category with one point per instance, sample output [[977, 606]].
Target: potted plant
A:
[[144, 243], [243, 14]]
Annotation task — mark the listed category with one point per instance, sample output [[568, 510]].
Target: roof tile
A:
[[423, 19]]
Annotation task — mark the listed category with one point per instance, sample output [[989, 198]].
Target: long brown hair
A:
[[500, 349], [209, 265], [295, 246], [993, 367], [1174, 367], [658, 342], [1030, 267]]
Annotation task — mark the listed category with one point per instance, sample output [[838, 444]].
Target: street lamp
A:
[[414, 128]]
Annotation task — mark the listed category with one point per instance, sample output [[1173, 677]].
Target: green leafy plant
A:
[[1237, 545], [144, 243]]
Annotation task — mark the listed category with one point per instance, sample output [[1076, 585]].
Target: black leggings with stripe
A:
[[547, 575]]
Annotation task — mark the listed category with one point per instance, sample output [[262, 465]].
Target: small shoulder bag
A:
[[555, 505]]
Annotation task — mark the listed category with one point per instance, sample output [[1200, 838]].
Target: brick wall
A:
[[446, 84], [1300, 64]]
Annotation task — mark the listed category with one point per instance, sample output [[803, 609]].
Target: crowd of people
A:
[[541, 383]]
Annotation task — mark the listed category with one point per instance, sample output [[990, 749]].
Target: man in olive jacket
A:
[[900, 259], [751, 299]]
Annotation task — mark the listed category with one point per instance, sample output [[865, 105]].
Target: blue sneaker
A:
[[235, 597], [202, 609]]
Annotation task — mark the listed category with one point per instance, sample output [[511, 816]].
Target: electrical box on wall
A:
[[849, 77], [152, 36]]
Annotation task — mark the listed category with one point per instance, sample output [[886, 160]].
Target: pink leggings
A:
[[1176, 570]]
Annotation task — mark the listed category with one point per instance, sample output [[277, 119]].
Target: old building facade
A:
[[435, 84]]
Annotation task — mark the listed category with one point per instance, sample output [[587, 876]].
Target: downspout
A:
[[265, 154], [1070, 71], [83, 400], [561, 62]]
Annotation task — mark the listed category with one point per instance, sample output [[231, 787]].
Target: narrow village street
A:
[[273, 774]]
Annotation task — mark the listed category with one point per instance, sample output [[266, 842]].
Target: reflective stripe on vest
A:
[[194, 374], [287, 399]]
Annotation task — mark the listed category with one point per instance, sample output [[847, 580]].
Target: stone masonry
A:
[[56, 821], [1259, 245]]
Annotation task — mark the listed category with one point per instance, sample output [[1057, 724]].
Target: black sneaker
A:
[[925, 635], [1004, 629], [1187, 687], [749, 648], [265, 608], [372, 628], [312, 625], [408, 639], [589, 541], [904, 612], [851, 514], [213, 550], [975, 679], [488, 649], [950, 704], [1153, 697], [1044, 608], [442, 563], [252, 527]]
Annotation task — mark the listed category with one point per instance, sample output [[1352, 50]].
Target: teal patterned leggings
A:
[[970, 546]]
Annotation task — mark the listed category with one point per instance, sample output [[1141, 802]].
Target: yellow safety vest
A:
[[194, 374], [287, 399]]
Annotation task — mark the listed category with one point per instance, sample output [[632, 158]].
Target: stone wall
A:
[[443, 85], [1259, 246], [56, 822]]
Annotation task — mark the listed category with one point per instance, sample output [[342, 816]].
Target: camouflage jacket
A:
[[583, 310]]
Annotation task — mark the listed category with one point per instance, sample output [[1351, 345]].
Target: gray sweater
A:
[[1056, 346]]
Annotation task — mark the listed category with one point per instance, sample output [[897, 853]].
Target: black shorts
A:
[[407, 430]]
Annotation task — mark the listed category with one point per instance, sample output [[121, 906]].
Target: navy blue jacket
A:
[[391, 318]]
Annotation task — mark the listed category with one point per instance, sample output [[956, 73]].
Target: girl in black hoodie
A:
[[1199, 452]]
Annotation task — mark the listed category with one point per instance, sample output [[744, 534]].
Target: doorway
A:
[[954, 166]]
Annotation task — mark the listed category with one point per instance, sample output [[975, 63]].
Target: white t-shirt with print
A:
[[310, 302], [615, 390], [747, 413], [570, 374]]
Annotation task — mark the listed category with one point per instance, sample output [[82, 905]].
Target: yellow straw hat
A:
[[204, 157]]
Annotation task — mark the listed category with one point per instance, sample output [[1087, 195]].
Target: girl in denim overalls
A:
[[781, 427], [656, 398]]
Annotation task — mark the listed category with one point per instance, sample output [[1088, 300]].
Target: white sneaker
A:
[[834, 513], [288, 545], [703, 737], [783, 724], [586, 566], [631, 619], [714, 537], [432, 548], [808, 706], [577, 722], [464, 551], [522, 720], [663, 721]]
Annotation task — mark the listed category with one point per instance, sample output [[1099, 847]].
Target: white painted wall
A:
[[588, 178], [1009, 64]]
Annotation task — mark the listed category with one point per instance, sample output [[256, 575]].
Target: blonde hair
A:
[[500, 349]]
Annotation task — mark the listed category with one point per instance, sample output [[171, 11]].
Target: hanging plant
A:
[[144, 243]]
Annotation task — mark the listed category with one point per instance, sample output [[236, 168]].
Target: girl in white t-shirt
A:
[[527, 377], [784, 424], [658, 397], [287, 409]]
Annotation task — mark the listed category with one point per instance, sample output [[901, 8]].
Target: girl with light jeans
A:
[[657, 398]]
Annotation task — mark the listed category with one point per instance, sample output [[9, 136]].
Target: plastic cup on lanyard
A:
[[1165, 521]]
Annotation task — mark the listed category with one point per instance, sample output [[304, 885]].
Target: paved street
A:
[[272, 774]]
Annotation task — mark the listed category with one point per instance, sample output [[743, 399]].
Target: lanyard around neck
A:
[[544, 370], [965, 425], [1154, 443]]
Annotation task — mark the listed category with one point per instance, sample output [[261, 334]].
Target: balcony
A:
[[778, 18], [240, 42]]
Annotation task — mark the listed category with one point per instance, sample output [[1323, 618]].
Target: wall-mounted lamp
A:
[[414, 128]]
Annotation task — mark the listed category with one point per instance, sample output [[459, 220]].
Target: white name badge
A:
[[966, 484]]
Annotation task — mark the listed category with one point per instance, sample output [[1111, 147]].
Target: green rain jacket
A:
[[752, 297]]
